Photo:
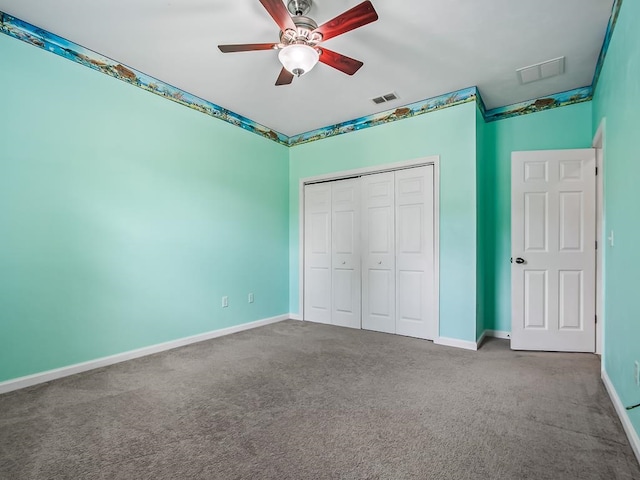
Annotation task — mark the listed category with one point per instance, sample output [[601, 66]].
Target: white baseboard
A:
[[493, 334], [632, 435], [295, 316], [498, 334], [454, 342], [47, 376]]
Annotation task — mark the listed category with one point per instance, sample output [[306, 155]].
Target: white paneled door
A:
[[378, 253], [415, 253], [553, 228], [345, 254], [317, 253]]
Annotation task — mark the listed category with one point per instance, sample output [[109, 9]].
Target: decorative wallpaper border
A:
[[481, 106], [38, 37], [615, 11], [562, 99], [414, 109]]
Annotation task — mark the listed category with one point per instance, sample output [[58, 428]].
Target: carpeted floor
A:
[[305, 401]]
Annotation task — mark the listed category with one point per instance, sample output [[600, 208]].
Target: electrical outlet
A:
[[251, 298], [636, 372], [225, 301]]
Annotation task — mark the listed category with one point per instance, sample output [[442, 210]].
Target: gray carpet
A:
[[304, 401]]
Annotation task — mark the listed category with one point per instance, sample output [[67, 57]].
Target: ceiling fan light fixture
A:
[[298, 58]]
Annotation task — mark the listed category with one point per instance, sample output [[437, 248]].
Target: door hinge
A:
[[596, 170], [596, 319], [596, 244]]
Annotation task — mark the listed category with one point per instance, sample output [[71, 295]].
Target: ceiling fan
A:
[[300, 36]]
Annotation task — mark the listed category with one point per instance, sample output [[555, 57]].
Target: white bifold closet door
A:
[[369, 252], [332, 253], [317, 253], [398, 252], [345, 242], [378, 253], [415, 253]]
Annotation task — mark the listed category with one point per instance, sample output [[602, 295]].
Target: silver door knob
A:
[[344, 263], [380, 262]]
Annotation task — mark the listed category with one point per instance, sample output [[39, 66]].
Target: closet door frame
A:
[[431, 160]]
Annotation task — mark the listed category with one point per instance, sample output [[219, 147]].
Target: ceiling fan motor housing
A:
[[304, 33]]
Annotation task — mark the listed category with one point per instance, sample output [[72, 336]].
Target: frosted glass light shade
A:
[[298, 58]]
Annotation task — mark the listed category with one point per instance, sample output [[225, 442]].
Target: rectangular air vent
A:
[[539, 71], [385, 98]]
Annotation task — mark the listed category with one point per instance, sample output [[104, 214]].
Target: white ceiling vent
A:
[[533, 73], [385, 98]]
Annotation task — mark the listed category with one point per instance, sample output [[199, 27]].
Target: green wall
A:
[[617, 98], [483, 207], [125, 217], [449, 133], [560, 128]]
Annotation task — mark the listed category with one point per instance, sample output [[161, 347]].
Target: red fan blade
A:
[[246, 47], [279, 13], [350, 20], [340, 62], [285, 77]]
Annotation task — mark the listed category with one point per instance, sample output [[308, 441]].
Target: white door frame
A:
[[599, 141], [431, 160]]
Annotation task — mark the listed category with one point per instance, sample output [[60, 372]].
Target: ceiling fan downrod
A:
[[299, 7]]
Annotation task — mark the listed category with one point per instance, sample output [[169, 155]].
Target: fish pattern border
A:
[[45, 40]]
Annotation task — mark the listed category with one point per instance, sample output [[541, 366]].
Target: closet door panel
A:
[[346, 277], [317, 254], [378, 253], [414, 253]]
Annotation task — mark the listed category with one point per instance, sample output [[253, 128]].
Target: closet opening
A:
[[369, 248]]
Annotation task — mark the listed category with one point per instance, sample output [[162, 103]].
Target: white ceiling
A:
[[418, 49]]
